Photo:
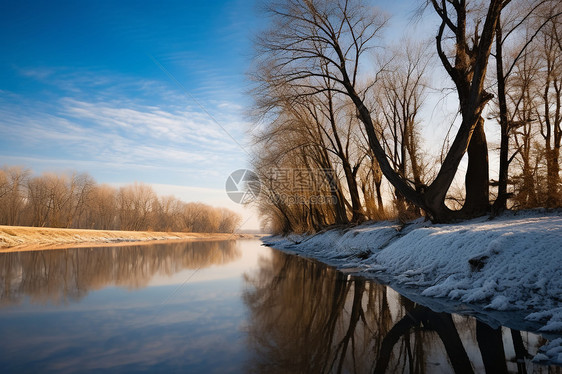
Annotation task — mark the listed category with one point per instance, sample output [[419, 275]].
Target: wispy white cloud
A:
[[65, 165], [152, 122], [38, 73], [119, 133]]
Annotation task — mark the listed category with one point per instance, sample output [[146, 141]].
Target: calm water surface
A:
[[229, 307]]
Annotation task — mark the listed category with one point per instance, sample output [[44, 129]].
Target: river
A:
[[229, 307]]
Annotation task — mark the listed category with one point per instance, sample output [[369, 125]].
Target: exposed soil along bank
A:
[[18, 238], [510, 263]]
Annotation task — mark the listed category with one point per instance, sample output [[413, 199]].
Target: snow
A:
[[551, 352], [509, 263]]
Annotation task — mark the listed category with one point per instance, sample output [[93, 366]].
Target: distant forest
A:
[[77, 201], [338, 99]]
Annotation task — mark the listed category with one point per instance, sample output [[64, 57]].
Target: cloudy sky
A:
[[129, 91]]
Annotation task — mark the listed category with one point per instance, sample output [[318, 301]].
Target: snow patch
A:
[[551, 353], [513, 262]]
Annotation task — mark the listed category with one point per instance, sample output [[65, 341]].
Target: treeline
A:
[[77, 201], [341, 131]]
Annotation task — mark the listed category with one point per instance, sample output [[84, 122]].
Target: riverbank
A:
[[19, 238], [510, 263]]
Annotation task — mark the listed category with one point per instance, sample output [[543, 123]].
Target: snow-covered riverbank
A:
[[510, 263]]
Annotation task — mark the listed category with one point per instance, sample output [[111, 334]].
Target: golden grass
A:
[[19, 238]]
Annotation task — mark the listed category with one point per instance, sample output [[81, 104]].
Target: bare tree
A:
[[60, 189], [550, 117], [167, 212], [312, 40], [229, 221], [38, 201], [400, 96], [370, 176], [49, 200], [79, 188], [102, 208], [523, 103], [135, 206], [325, 124], [517, 35], [12, 194], [308, 140]]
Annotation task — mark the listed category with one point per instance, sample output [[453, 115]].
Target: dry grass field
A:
[[18, 238]]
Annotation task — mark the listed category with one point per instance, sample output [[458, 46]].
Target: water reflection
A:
[[308, 318], [69, 274]]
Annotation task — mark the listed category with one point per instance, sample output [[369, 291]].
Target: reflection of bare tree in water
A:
[[308, 318], [420, 318], [293, 310], [59, 275]]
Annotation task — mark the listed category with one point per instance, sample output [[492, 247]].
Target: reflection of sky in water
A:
[[221, 308], [116, 329], [248, 257], [171, 325]]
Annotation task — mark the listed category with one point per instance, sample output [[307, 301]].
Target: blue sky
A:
[[82, 88], [129, 90]]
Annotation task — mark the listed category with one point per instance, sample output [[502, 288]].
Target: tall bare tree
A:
[[12, 194], [135, 206], [311, 40], [517, 66], [550, 117], [102, 208], [400, 96]]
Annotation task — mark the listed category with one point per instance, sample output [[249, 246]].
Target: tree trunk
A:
[[477, 175], [379, 198], [491, 348], [520, 351], [501, 201], [553, 177], [357, 213], [442, 323]]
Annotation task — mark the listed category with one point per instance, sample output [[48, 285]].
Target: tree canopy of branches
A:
[[528, 68], [325, 104], [76, 201]]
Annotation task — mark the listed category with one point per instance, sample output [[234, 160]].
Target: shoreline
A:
[[23, 238], [511, 264]]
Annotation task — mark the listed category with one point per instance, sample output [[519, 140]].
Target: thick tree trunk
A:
[[477, 201], [339, 207], [357, 212], [520, 351], [491, 348], [337, 198], [441, 323]]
